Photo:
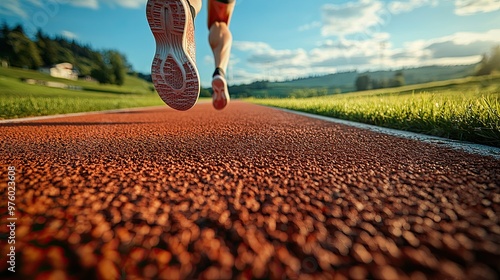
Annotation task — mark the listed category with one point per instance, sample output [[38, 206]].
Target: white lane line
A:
[[454, 144]]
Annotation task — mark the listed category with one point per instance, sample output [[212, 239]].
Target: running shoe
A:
[[220, 95], [174, 71]]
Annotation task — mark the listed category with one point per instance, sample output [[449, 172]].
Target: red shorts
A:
[[220, 11]]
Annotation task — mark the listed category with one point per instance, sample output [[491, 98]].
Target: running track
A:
[[249, 192]]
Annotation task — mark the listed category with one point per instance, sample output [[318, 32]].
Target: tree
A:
[[363, 82], [489, 63], [23, 51], [107, 66], [377, 84], [484, 67], [117, 66], [495, 58], [398, 80], [101, 72], [5, 50], [205, 92], [47, 48]]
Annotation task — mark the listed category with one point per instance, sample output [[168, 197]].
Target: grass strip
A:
[[465, 114], [28, 106], [19, 100]]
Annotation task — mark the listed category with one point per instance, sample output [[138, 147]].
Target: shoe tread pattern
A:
[[173, 70]]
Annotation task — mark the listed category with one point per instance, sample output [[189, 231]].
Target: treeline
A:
[[365, 82], [490, 63], [107, 66], [266, 89], [257, 89]]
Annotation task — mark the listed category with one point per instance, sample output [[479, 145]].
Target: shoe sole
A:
[[173, 71], [220, 97]]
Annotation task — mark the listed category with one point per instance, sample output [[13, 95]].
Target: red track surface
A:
[[246, 192]]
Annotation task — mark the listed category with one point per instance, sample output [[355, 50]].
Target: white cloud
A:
[[208, 59], [463, 44], [36, 2], [242, 76], [351, 18], [263, 55], [464, 38], [344, 54], [344, 51], [470, 7], [455, 49], [279, 58], [458, 40], [21, 8], [248, 45], [131, 4], [398, 7], [362, 16], [95, 4], [267, 62], [68, 34], [13, 7], [330, 56], [92, 4], [309, 26]]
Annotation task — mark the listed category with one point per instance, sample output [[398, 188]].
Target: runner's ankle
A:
[[219, 71], [193, 10]]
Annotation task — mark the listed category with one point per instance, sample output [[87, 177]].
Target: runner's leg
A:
[[196, 5], [220, 37]]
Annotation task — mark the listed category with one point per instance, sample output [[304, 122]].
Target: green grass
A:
[[18, 99], [466, 109], [132, 85]]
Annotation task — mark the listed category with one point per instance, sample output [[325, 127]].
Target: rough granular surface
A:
[[246, 193]]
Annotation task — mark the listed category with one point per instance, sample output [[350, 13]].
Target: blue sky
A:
[[280, 39]]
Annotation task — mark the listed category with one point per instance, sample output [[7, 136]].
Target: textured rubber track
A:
[[220, 94], [174, 71], [247, 192]]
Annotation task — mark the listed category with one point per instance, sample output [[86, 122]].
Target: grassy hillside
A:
[[19, 99], [345, 82], [412, 76], [132, 84], [462, 109]]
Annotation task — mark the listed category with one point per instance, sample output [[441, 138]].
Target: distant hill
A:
[[345, 82]]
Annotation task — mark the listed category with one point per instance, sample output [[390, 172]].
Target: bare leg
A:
[[220, 37], [196, 4]]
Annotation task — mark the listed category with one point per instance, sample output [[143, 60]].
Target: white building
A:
[[61, 70]]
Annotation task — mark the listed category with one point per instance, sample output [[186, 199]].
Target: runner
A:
[[174, 71]]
